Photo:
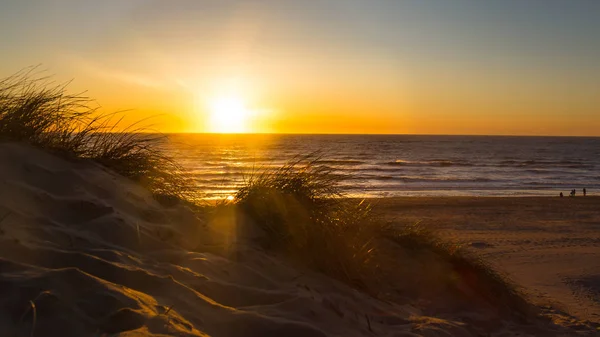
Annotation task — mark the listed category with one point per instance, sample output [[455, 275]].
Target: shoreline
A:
[[543, 197], [374, 197]]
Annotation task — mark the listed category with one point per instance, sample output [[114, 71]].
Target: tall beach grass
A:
[[303, 210], [36, 111]]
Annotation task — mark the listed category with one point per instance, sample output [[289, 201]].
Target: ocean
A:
[[401, 165]]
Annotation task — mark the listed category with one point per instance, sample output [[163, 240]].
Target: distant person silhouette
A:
[[584, 192], [561, 195], [572, 194]]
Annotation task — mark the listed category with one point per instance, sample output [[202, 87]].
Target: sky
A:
[[511, 67]]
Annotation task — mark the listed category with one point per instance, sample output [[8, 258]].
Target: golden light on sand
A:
[[229, 114]]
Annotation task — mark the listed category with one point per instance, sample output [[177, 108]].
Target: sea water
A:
[[401, 165]]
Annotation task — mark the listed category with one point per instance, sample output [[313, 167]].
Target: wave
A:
[[553, 184], [449, 180], [552, 170], [546, 163], [351, 162], [569, 164], [435, 162], [409, 179]]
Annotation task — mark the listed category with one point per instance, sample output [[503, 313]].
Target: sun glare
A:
[[229, 115]]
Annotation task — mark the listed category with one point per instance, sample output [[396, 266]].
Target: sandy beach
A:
[[548, 245]]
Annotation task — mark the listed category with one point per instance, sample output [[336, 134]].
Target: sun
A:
[[229, 114]]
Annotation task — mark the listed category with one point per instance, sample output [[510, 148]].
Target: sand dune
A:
[[84, 252], [551, 246]]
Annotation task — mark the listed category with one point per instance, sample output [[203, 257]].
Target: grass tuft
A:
[[303, 210], [36, 111]]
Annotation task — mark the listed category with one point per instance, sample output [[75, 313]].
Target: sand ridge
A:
[[85, 252]]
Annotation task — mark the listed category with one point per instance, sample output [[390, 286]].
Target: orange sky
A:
[[416, 67]]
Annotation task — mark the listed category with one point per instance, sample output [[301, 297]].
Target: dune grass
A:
[[36, 111], [462, 269], [302, 209], [305, 214]]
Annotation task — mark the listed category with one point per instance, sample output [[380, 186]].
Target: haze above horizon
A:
[[334, 67]]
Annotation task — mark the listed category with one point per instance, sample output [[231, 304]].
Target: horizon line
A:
[[369, 134]]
